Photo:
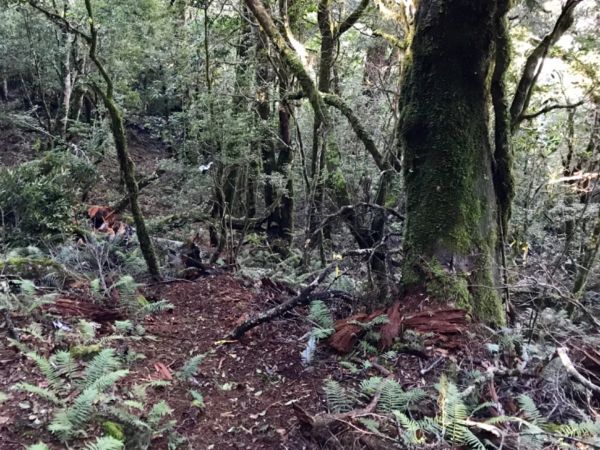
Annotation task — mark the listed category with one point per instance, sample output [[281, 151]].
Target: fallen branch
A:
[[323, 421], [566, 361], [303, 298]]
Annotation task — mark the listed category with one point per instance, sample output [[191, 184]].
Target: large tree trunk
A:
[[452, 227]]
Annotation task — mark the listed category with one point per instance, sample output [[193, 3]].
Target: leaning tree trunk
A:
[[452, 227]]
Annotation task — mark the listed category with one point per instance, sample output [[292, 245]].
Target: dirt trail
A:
[[249, 387]]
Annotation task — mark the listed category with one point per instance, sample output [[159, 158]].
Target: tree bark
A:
[[452, 227]]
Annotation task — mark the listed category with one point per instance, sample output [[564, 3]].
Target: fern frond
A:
[[370, 386], [63, 363], [158, 411], [108, 380], [190, 368], [44, 393], [198, 399], [339, 399], [530, 410], [139, 390], [321, 317], [468, 438], [68, 421], [46, 368], [105, 443], [38, 446], [413, 434], [155, 308], [126, 418], [394, 398], [133, 404], [582, 429], [103, 363], [87, 330]]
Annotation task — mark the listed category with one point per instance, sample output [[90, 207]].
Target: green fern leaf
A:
[[105, 443], [338, 398], [38, 446], [44, 393], [103, 363], [190, 368]]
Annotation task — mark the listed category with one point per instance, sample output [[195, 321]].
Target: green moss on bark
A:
[[451, 223]]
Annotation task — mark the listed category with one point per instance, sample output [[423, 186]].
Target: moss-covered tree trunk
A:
[[452, 218]]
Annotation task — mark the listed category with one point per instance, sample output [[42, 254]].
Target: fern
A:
[[105, 443], [198, 399], [582, 429], [190, 368], [339, 399], [139, 390], [103, 363], [321, 317], [394, 398], [87, 330], [108, 380], [371, 386], [126, 418], [155, 308], [452, 416], [46, 368], [413, 430], [44, 393], [158, 411], [38, 446], [530, 410], [68, 421], [63, 364]]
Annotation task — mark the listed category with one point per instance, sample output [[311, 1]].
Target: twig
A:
[[432, 366], [566, 361]]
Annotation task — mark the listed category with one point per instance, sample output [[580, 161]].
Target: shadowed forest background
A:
[[299, 224]]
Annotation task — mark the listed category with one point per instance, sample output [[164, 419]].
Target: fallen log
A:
[[302, 298]]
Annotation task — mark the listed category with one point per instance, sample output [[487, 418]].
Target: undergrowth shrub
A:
[[37, 198]]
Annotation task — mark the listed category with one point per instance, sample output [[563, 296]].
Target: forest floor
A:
[[249, 386], [257, 391], [252, 388]]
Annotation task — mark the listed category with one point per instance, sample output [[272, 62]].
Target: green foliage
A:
[[38, 446], [322, 319], [198, 399], [37, 198], [190, 368], [25, 301], [339, 398], [105, 443]]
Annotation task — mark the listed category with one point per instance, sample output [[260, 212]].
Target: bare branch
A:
[[352, 18], [551, 108], [535, 62]]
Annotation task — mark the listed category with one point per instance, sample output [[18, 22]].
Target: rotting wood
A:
[[449, 321]]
